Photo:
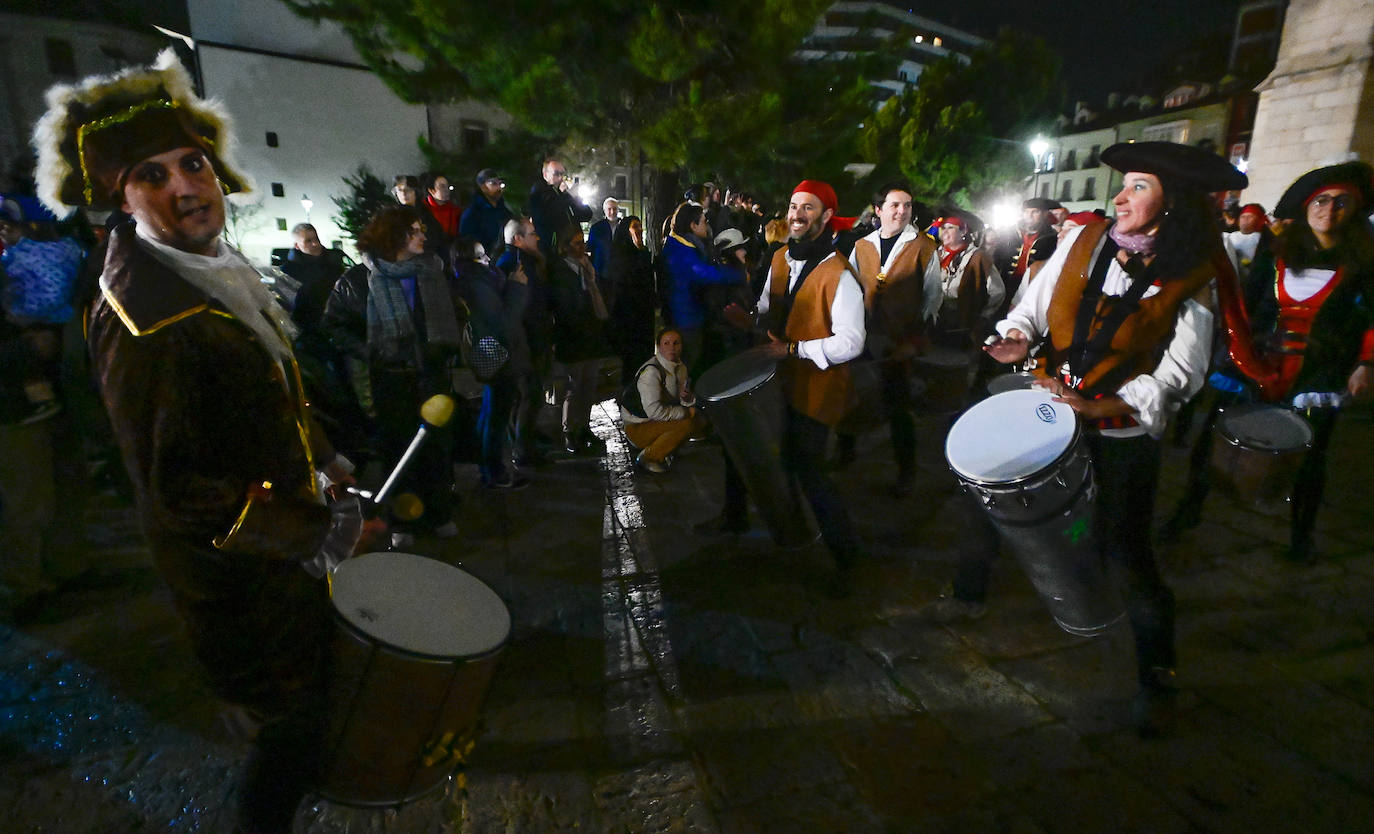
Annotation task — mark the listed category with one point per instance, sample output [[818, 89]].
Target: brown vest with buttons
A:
[[824, 395], [895, 306]]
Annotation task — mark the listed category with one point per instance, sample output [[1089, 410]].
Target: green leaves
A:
[[960, 134], [710, 88]]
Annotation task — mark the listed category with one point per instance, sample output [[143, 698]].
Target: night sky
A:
[[1105, 45]]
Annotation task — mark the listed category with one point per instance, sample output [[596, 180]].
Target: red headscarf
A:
[[823, 192]]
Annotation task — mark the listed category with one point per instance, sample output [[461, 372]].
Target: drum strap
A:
[[1090, 345]]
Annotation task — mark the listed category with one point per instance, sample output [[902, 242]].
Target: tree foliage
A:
[[367, 195], [711, 88], [961, 131]]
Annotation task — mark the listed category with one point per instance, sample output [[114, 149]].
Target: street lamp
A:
[[1038, 148], [307, 204]]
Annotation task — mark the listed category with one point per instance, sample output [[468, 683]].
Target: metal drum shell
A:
[[743, 398], [1045, 492], [1250, 472], [947, 373], [1047, 518]]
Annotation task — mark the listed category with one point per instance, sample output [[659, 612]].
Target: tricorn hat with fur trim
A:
[[96, 130]]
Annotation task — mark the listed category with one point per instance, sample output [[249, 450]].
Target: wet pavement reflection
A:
[[658, 681]]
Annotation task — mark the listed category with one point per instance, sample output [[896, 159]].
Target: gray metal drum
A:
[[744, 401], [1018, 381], [1023, 456], [947, 373], [1258, 450]]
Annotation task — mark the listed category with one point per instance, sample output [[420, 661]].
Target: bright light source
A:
[[1004, 215], [1038, 147], [919, 38], [586, 192], [1243, 165], [307, 203]]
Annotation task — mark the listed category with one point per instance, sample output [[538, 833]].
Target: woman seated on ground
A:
[[659, 408]]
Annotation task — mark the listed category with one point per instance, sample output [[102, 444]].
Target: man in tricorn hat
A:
[[194, 363], [1037, 243]]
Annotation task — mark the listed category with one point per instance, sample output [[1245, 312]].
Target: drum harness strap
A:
[[1089, 346]]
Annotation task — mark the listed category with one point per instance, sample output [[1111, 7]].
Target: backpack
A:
[[485, 356]]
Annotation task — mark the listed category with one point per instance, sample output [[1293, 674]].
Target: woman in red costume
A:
[[1312, 308]]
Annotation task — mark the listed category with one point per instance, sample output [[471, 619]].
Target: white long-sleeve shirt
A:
[[846, 319], [1155, 396]]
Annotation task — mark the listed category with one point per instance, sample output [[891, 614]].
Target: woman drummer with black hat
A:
[[1120, 309], [1315, 322]]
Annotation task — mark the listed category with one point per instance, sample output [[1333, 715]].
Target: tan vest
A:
[[895, 305], [1137, 344], [823, 395]]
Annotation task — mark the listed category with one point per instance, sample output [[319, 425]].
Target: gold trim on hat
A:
[[123, 116]]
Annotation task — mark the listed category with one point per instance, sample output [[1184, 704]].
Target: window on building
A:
[[1066, 191], [474, 134], [1176, 131], [271, 139], [1090, 189], [1091, 161], [619, 154], [1049, 162], [278, 190], [1071, 159], [281, 224], [1045, 190], [61, 60], [621, 188], [937, 42]]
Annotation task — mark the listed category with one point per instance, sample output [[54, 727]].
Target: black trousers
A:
[[895, 390], [1127, 475], [803, 455]]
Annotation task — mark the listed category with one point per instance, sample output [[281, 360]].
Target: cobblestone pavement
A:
[[657, 681]]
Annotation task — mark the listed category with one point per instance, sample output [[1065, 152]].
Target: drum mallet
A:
[[434, 414]]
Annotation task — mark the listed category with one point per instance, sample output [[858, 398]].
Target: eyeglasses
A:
[[1339, 201]]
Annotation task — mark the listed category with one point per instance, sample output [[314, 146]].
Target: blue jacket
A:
[[688, 271], [599, 246], [484, 221]]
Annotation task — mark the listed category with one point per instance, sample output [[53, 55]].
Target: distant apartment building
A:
[[850, 28], [1218, 115]]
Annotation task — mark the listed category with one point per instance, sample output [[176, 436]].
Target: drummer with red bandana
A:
[[1120, 313], [813, 308]]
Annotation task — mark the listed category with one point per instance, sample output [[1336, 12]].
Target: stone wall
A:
[[1317, 106]]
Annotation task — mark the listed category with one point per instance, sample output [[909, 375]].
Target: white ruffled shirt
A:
[[1154, 397]]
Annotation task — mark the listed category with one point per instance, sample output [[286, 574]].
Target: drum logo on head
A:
[[1046, 412]]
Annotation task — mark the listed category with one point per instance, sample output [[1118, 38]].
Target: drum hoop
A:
[[1235, 442], [411, 654], [1016, 484], [720, 398]]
